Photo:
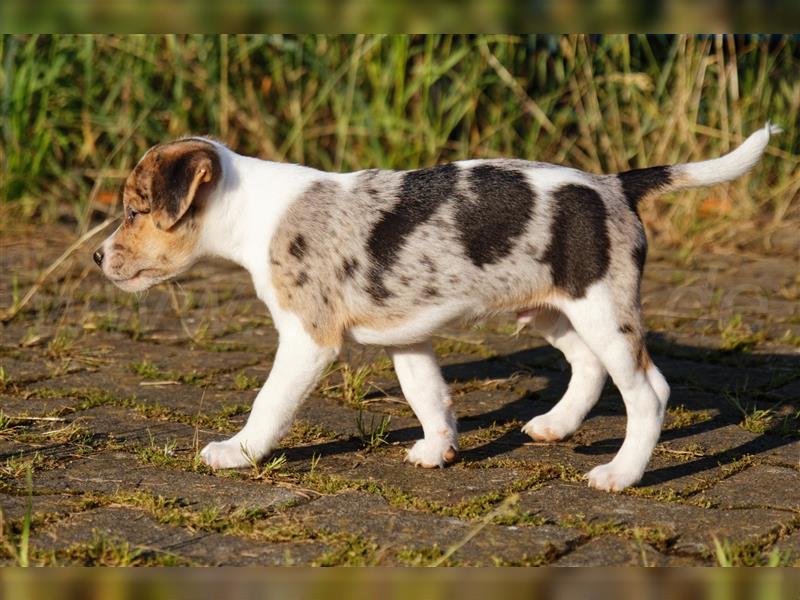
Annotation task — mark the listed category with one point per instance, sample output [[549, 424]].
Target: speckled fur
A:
[[330, 285]]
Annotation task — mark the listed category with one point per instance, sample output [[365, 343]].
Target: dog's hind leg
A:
[[299, 363], [585, 384], [429, 397], [643, 389]]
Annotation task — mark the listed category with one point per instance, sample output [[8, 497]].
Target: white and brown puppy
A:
[[388, 257]]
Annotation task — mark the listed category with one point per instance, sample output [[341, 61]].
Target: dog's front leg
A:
[[426, 392], [299, 363]]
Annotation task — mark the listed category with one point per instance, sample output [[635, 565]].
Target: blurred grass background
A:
[[78, 111]]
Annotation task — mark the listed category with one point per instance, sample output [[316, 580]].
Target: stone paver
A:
[[686, 529], [118, 473], [121, 426], [142, 533], [388, 469], [394, 529], [53, 505], [765, 485], [107, 398], [613, 551]]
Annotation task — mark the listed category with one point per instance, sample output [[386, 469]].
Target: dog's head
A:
[[164, 199]]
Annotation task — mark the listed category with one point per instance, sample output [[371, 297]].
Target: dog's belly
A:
[[413, 329], [419, 322]]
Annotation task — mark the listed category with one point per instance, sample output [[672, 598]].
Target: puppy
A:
[[388, 257]]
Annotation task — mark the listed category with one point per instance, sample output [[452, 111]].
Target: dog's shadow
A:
[[725, 399]]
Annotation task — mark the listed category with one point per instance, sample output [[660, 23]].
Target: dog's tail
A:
[[640, 183]]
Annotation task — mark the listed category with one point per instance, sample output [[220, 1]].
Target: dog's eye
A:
[[131, 215]]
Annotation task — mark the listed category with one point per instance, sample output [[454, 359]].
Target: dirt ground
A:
[[106, 399]]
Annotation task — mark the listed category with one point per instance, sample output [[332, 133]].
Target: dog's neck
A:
[[244, 211]]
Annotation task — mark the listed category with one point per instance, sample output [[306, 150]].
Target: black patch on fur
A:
[[626, 329], [636, 184], [640, 255], [430, 291], [376, 288], [349, 267], [421, 193], [173, 176], [496, 215], [298, 247], [301, 280], [578, 252]]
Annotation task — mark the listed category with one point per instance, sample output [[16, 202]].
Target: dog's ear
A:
[[184, 174]]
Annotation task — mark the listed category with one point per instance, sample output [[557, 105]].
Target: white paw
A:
[[228, 454], [611, 477], [549, 428], [429, 454]]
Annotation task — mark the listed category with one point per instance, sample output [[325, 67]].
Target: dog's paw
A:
[[548, 428], [225, 455], [611, 478], [428, 455]]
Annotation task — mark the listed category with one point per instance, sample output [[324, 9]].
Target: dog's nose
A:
[[98, 257]]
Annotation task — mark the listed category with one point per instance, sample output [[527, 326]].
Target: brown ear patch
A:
[[182, 175]]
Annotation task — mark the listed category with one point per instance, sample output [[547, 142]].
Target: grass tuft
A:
[[741, 554], [354, 384], [19, 550], [738, 336], [375, 434]]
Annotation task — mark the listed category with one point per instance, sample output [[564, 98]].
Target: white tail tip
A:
[[772, 129], [732, 165]]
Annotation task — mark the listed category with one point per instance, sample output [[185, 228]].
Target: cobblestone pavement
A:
[[107, 397]]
